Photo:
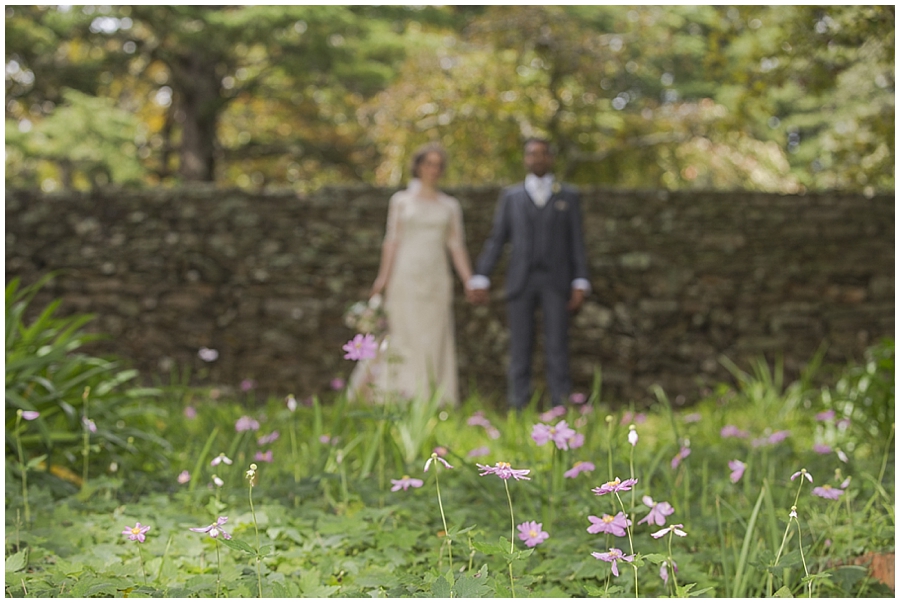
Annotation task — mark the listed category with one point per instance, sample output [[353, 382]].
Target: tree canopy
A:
[[770, 98]]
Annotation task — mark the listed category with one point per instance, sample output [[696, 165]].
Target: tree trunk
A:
[[198, 103]]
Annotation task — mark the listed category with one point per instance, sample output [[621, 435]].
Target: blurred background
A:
[[783, 99]]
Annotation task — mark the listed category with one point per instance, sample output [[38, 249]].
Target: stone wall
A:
[[680, 279]]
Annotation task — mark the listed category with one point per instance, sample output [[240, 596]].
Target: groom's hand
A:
[[478, 297], [576, 301]]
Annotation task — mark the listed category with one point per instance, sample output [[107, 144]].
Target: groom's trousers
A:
[[521, 310]]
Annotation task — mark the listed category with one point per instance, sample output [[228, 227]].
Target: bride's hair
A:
[[421, 152]]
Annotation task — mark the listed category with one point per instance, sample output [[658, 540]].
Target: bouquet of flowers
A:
[[367, 317]]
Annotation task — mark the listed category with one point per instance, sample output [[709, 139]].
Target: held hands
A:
[[478, 297], [576, 301]]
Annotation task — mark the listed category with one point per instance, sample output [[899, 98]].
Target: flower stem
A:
[[437, 483], [630, 543], [294, 450], [86, 440], [512, 537], [218, 570], [141, 555], [256, 528], [802, 556], [24, 469]]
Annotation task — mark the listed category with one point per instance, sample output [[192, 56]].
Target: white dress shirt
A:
[[539, 188]]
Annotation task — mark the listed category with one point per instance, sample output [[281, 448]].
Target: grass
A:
[[312, 492], [326, 523]]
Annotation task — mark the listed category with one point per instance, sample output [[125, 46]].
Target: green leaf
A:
[[311, 585], [239, 545], [33, 463], [17, 561], [783, 593], [441, 589], [490, 549], [468, 587]]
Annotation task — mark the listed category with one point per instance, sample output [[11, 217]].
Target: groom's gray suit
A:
[[546, 256]]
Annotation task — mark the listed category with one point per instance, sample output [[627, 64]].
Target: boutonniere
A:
[[555, 188], [560, 205]]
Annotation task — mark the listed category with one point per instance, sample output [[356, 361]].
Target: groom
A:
[[542, 220]]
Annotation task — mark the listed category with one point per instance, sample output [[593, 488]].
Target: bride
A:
[[424, 235]]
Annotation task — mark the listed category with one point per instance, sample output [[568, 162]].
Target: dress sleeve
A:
[[392, 232], [456, 234]]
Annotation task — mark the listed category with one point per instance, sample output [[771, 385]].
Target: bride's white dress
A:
[[419, 357]]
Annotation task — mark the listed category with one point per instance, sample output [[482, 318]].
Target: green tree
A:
[[194, 62]]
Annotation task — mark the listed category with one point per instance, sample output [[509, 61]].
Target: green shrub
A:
[[46, 372]]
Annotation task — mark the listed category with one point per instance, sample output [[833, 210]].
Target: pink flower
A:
[[532, 533], [576, 441], [560, 434], [190, 412], [664, 572], [89, 425], [30, 415], [184, 477], [480, 451], [337, 384], [556, 411], [577, 398], [671, 528], [263, 456], [503, 470], [579, 467], [730, 431], [821, 448], [247, 385], [630, 417], [737, 470], [246, 423], [493, 432], [268, 439], [137, 532], [612, 556], [586, 409], [803, 473], [434, 457], [658, 512], [214, 529], [828, 492], [694, 417], [478, 419], [406, 482], [608, 524], [778, 436], [616, 485], [361, 347], [843, 423], [220, 459], [826, 415], [682, 454]]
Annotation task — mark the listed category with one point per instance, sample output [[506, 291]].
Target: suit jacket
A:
[[563, 255]]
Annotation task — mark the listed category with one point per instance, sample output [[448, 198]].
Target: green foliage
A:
[[771, 98], [330, 526], [46, 372], [87, 141]]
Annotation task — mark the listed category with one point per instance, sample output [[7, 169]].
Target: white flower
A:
[[632, 435]]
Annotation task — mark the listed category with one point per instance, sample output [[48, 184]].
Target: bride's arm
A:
[[456, 243]]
